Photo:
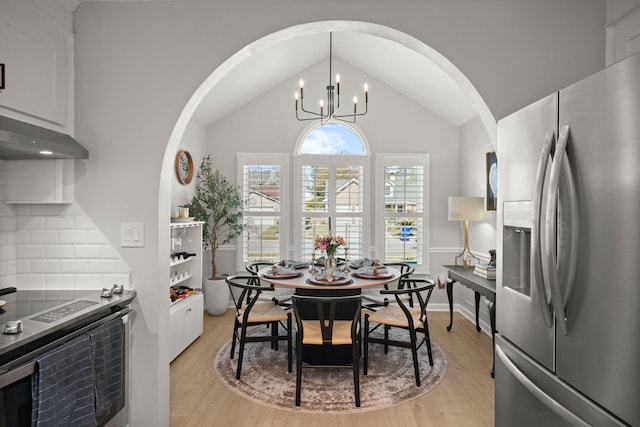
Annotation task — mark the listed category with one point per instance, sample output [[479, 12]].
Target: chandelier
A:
[[332, 101]]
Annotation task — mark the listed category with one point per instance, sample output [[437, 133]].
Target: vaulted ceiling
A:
[[400, 68]]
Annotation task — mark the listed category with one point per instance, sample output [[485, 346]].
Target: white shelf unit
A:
[[186, 314]]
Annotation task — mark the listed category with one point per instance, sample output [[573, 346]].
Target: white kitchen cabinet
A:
[[186, 324], [186, 315], [40, 181], [38, 57]]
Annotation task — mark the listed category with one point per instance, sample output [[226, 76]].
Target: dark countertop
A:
[[33, 309]]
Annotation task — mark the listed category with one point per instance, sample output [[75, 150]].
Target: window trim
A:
[[402, 159]]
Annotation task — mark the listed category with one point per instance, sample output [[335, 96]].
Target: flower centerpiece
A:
[[330, 245]]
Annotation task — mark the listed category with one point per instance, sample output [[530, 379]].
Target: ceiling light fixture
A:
[[333, 99]]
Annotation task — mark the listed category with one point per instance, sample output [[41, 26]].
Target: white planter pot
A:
[[216, 296]]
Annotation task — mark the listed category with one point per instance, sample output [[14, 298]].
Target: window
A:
[[332, 180], [402, 181], [263, 179]]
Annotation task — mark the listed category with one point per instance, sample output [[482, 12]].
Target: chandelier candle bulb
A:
[[338, 83], [366, 93]]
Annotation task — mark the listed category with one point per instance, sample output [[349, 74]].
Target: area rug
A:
[[390, 380]]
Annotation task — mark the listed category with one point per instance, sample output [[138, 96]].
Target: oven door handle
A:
[[25, 365]]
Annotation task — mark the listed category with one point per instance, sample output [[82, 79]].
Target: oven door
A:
[[16, 401]]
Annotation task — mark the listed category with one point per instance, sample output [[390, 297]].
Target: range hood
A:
[[20, 140]]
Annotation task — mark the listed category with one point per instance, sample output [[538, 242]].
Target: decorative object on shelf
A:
[[492, 254], [333, 99], [466, 209], [184, 167], [217, 203], [492, 181]]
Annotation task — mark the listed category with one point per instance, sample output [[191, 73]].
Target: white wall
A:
[[139, 63]]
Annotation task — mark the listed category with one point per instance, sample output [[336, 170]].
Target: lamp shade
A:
[[466, 208]]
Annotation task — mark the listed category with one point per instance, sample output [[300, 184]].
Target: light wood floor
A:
[[464, 398]]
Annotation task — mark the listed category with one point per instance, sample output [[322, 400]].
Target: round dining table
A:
[[304, 283], [304, 280]]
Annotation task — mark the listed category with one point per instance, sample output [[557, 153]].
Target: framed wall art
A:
[[492, 181]]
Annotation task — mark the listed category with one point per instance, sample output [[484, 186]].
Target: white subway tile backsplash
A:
[[108, 280], [74, 266], [30, 251], [81, 222], [96, 237], [43, 236], [103, 266], [46, 210], [55, 247], [60, 281], [89, 281], [8, 281], [30, 281], [59, 251], [87, 251], [109, 252], [30, 223], [23, 266], [22, 237], [45, 266], [60, 223], [73, 236], [7, 223]]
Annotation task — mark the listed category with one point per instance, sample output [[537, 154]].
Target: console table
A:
[[480, 286]]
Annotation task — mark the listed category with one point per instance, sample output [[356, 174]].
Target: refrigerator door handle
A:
[[536, 247], [550, 262], [544, 398]]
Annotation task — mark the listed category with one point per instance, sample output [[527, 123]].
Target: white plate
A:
[[189, 219], [2, 302]]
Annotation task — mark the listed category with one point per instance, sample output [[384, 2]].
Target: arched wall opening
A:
[[227, 67]]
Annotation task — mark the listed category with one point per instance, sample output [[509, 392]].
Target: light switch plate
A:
[[132, 234]]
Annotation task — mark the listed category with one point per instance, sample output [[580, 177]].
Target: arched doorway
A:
[[230, 65]]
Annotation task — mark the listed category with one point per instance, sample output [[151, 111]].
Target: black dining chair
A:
[[250, 312], [327, 321], [281, 297], [373, 298], [401, 315]]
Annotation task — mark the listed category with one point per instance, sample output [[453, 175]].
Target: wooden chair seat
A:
[[393, 315], [263, 313]]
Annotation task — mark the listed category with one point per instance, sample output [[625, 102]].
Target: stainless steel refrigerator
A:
[[568, 279]]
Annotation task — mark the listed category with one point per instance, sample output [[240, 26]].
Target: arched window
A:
[[332, 139], [332, 166]]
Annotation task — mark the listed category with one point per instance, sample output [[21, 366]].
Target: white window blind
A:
[[402, 182], [263, 184]]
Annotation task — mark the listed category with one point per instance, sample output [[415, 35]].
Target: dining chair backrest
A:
[[421, 289], [255, 267], [250, 288], [325, 312]]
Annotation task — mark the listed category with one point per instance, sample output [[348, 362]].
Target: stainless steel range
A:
[[38, 327]]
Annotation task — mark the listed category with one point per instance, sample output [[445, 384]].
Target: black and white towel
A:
[[62, 386], [107, 343]]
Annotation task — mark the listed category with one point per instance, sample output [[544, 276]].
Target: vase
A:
[[216, 296], [330, 261]]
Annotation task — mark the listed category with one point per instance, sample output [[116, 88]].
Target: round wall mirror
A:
[[184, 167]]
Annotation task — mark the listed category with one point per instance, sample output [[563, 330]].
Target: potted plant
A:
[[218, 203]]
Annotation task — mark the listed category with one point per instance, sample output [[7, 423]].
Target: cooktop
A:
[[21, 304]]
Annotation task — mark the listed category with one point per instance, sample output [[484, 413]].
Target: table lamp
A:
[[466, 209]]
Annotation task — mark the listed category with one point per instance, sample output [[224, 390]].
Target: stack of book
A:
[[485, 271]]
